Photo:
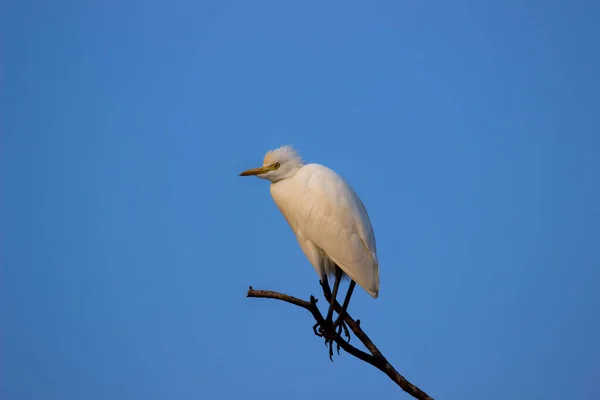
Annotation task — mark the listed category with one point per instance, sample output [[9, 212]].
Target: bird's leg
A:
[[346, 302], [339, 322], [325, 286], [336, 285], [328, 329], [319, 328]]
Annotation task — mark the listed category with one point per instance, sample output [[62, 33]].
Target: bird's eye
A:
[[276, 165]]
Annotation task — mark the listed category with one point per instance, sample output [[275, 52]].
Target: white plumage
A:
[[330, 221]]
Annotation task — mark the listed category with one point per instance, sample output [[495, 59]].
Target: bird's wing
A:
[[332, 216]]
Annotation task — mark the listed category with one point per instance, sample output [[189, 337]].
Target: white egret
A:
[[330, 221]]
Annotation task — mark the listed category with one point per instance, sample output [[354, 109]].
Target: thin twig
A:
[[376, 359]]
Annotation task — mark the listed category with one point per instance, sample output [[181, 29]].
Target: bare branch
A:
[[269, 294], [376, 358]]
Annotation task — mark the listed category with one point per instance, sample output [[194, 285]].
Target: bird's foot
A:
[[332, 331], [340, 326], [327, 331], [324, 329]]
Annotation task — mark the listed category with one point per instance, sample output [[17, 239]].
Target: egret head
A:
[[278, 164]]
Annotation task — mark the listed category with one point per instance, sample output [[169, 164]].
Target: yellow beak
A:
[[257, 171]]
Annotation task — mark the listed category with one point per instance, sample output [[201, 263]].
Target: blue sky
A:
[[469, 129]]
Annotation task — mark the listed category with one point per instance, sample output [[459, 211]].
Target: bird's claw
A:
[[319, 330], [330, 343], [332, 331], [324, 329], [342, 327]]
